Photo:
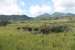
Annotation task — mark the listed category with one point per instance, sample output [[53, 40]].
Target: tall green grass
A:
[[13, 39]]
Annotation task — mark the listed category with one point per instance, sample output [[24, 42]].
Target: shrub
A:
[[36, 29], [59, 28], [18, 28], [4, 23], [45, 29], [27, 29]]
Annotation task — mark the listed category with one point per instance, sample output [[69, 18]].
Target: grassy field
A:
[[13, 39]]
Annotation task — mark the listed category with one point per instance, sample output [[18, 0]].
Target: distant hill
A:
[[70, 14], [59, 14], [43, 16], [14, 17], [56, 15]]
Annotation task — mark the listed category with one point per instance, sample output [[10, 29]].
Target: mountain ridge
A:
[[14, 17]]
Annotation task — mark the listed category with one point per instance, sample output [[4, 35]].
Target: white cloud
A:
[[39, 9], [9, 7], [64, 5]]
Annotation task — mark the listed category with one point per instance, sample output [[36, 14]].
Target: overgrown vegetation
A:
[[38, 35], [4, 23], [45, 29]]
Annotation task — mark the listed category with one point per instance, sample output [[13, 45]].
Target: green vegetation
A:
[[56, 33]]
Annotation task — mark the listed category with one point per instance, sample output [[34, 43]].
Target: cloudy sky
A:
[[36, 7]]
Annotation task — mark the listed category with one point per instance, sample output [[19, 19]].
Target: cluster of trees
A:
[[4, 23], [14, 17], [6, 19], [45, 29]]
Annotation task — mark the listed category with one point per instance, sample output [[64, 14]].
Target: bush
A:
[[18, 28], [27, 29], [59, 28], [54, 28], [45, 29], [4, 23]]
